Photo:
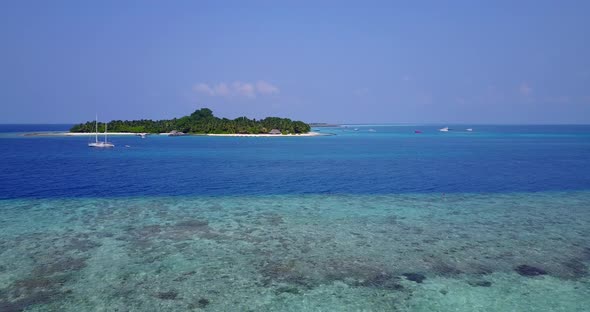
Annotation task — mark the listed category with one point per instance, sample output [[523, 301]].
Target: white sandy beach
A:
[[129, 133], [74, 133]]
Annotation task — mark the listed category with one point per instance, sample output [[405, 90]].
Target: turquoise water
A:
[[297, 253], [305, 247]]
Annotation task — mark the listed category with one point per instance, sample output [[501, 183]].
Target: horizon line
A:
[[408, 123]]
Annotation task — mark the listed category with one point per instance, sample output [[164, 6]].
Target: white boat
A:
[[469, 129], [101, 144], [445, 129]]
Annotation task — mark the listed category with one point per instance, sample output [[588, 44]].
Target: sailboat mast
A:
[[96, 133]]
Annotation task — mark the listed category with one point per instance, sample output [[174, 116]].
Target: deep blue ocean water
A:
[[390, 160], [367, 218]]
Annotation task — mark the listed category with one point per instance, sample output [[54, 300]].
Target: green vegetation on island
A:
[[201, 121]]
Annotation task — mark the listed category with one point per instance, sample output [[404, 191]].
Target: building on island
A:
[[175, 133], [275, 131]]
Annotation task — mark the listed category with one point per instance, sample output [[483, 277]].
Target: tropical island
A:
[[202, 121]]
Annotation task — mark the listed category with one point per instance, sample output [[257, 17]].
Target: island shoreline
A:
[[61, 134]]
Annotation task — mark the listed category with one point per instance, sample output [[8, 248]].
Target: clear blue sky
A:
[[338, 61]]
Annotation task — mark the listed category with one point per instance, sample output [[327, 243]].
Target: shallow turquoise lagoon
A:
[[406, 252]]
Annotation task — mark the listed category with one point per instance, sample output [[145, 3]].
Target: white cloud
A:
[[244, 89], [203, 88], [237, 89], [221, 89], [264, 87]]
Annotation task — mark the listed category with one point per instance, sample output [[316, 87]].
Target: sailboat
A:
[[100, 144]]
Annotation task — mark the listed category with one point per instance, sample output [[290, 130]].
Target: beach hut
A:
[[275, 131]]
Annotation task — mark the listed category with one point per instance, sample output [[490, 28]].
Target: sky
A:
[[316, 61]]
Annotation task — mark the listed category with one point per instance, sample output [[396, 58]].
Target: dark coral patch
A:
[[445, 269], [527, 270], [382, 280], [83, 245], [25, 293], [200, 304], [480, 283], [288, 289], [203, 302], [414, 277], [61, 266], [168, 295], [39, 283], [27, 301], [143, 237]]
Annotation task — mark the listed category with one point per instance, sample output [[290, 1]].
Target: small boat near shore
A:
[[445, 129]]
